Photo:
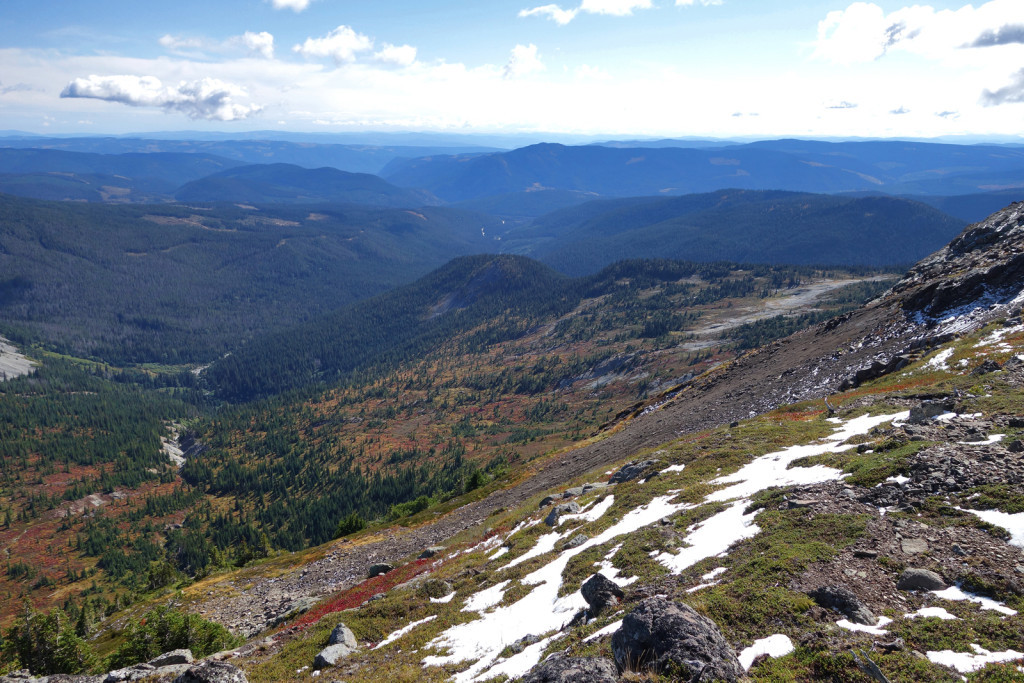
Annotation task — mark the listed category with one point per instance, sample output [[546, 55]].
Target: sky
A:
[[623, 68]]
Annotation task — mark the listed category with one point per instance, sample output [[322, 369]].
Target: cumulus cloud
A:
[[399, 55], [1007, 94], [843, 105], [523, 60], [864, 31], [294, 5], [1004, 35], [181, 43], [901, 110], [342, 44], [208, 98], [261, 43], [947, 114], [554, 12], [619, 8]]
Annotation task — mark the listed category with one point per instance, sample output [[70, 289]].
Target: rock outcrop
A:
[[560, 669], [672, 638]]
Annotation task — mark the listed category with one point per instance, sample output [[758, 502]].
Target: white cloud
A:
[[342, 44], [261, 43], [523, 60], [554, 12], [706, 3], [208, 98], [294, 5], [619, 8], [399, 55], [1007, 94], [864, 32], [180, 43]]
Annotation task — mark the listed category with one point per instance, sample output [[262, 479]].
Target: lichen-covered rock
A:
[[632, 470], [331, 655], [672, 638], [342, 635], [559, 510], [600, 592], [843, 600], [212, 672], [920, 580], [183, 656], [560, 669]]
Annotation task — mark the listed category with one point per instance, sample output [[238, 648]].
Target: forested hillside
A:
[[178, 284], [737, 225]]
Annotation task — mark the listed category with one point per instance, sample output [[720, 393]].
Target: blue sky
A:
[[597, 67]]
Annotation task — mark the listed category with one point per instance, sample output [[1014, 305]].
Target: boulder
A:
[[600, 592], [548, 500], [173, 657], [130, 673], [331, 655], [573, 492], [920, 580], [212, 672], [842, 600], [986, 367], [632, 470], [378, 569], [523, 643], [559, 510], [672, 638], [431, 552], [342, 635], [561, 669], [576, 541], [300, 606], [926, 410]]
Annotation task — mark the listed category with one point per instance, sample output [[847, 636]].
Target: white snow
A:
[[954, 593], [899, 479], [402, 631], [778, 645], [488, 597], [714, 573], [447, 598], [939, 360], [673, 468], [998, 336], [542, 611], [878, 629], [607, 630], [937, 612], [497, 553], [592, 515], [992, 438], [965, 662], [1014, 523]]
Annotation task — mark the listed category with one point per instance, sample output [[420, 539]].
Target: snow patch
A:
[[965, 662], [1014, 523], [778, 645], [937, 612], [607, 630], [878, 629], [673, 468], [940, 360], [591, 515], [447, 598], [954, 593], [487, 598]]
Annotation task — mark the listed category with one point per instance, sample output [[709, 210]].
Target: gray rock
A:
[[920, 580], [342, 635], [576, 541], [130, 673], [1015, 446], [986, 367], [914, 546], [300, 606], [561, 669], [331, 655], [523, 643], [212, 672], [573, 492], [559, 510], [594, 485], [431, 552], [600, 592], [842, 600], [378, 569], [632, 470], [670, 637], [173, 657], [926, 410], [548, 500]]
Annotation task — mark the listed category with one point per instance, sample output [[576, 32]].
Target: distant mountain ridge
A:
[[291, 184], [796, 165]]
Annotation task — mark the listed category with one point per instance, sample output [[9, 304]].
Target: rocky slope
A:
[[846, 504]]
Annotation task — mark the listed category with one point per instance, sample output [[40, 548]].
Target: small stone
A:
[[573, 492], [548, 500], [959, 550], [866, 554], [896, 645], [800, 503], [576, 541], [431, 552], [920, 579], [843, 600], [559, 510], [212, 672], [1015, 446]]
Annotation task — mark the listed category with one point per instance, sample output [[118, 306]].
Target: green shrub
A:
[[162, 630]]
